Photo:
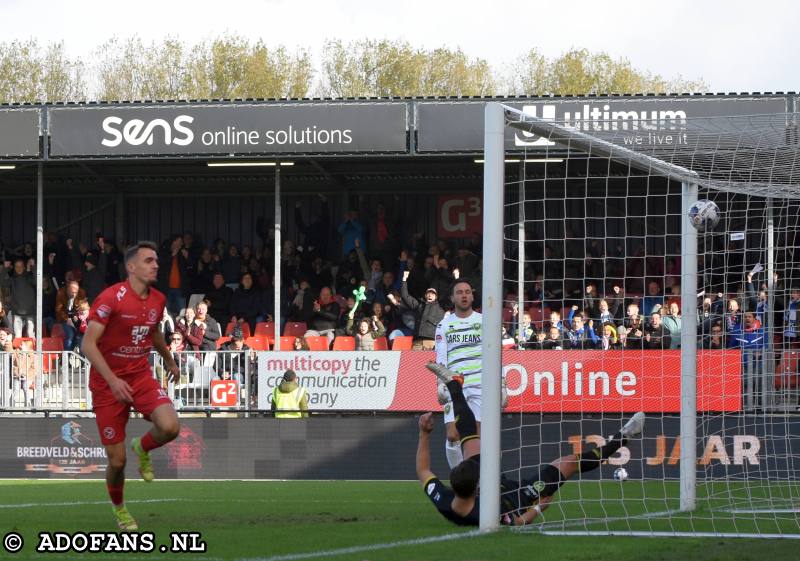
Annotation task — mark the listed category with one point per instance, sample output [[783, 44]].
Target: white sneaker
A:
[[634, 426], [442, 394], [442, 372]]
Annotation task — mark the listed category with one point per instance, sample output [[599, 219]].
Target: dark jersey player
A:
[[521, 501], [122, 331]]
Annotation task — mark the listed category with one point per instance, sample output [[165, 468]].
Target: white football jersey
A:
[[458, 346]]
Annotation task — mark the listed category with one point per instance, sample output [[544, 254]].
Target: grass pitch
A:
[[389, 521]]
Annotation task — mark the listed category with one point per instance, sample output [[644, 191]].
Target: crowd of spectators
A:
[[366, 280], [653, 320]]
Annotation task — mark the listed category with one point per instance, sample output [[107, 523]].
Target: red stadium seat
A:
[[381, 344], [287, 342], [295, 328], [537, 314], [244, 325], [257, 343], [344, 343], [265, 329], [57, 330], [222, 340], [52, 344], [788, 370], [17, 344], [402, 343], [52, 348], [317, 343]]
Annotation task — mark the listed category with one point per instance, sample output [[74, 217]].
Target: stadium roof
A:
[[319, 128]]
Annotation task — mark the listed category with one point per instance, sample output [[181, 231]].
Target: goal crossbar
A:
[[780, 183]]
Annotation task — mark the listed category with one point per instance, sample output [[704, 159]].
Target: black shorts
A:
[[522, 495], [547, 481]]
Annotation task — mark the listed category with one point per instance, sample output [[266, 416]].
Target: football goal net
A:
[[639, 259]]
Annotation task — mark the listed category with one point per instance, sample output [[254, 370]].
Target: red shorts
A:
[[112, 416]]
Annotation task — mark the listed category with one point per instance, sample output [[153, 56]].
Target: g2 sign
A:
[[460, 216], [224, 393]]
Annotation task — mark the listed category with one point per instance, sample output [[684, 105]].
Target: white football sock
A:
[[453, 452]]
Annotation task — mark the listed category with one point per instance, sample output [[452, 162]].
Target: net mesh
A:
[[592, 248]]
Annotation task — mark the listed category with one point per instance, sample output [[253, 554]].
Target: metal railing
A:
[[199, 368], [57, 381], [50, 381]]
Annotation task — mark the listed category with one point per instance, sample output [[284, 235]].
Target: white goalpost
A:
[[644, 260]]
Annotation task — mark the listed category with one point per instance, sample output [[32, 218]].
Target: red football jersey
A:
[[130, 322]]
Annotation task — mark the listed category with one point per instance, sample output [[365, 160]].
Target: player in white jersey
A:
[[458, 347]]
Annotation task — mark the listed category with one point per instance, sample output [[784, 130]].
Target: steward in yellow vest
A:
[[289, 400]]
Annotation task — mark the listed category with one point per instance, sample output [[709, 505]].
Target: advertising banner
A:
[[459, 216], [641, 122], [19, 133], [243, 129], [324, 447], [537, 381]]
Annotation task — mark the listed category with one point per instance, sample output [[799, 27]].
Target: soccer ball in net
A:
[[704, 215], [620, 474]]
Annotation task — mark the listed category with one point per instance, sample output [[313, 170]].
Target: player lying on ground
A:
[[521, 501], [123, 329]]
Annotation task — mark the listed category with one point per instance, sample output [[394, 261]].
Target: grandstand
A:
[[226, 200]]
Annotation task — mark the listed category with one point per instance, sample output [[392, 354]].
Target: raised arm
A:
[[410, 302], [424, 473], [362, 259]]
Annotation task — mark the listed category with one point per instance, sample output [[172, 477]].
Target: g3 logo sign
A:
[[136, 132], [460, 216]]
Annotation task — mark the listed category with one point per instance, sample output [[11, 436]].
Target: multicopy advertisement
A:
[[537, 381]]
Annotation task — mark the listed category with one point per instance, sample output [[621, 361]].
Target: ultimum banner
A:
[[537, 381]]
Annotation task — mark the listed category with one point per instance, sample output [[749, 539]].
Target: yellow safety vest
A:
[[287, 405]]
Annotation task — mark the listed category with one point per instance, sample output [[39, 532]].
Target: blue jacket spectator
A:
[[748, 335], [351, 230]]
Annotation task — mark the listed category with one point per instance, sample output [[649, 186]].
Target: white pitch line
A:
[[672, 534], [361, 548], [187, 500], [84, 503], [148, 558], [544, 527], [760, 510]]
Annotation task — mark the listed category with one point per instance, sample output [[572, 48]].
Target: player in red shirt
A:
[[123, 329]]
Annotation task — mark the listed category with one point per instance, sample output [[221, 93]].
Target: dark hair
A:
[[464, 478], [460, 281], [131, 252], [289, 376]]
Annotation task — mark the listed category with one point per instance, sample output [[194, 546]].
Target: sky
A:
[[732, 45]]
